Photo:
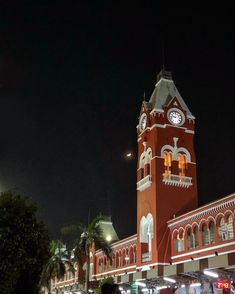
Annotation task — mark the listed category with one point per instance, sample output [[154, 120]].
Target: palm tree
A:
[[88, 236], [57, 264]]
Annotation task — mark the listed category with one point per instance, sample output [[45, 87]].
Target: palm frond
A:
[[96, 221]]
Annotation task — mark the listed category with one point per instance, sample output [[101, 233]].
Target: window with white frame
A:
[[226, 229]]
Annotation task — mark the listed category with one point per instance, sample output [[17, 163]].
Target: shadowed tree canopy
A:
[[24, 245]]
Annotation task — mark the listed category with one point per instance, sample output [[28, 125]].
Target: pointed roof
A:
[[164, 91], [109, 232]]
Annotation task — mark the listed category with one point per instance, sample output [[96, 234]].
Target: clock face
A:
[[176, 117], [143, 121]]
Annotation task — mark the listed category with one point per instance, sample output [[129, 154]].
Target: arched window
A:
[[134, 254], [131, 255], [182, 164], [226, 228], [145, 164], [105, 263], [205, 235], [211, 232], [112, 261], [167, 162], [180, 239], [175, 240], [190, 239], [230, 227], [195, 235], [123, 257], [117, 259], [101, 265]]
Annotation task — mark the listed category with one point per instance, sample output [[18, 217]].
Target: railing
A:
[[144, 183], [176, 180]]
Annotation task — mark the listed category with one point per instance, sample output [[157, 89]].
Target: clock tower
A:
[[166, 169]]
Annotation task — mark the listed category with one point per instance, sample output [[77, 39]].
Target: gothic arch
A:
[[166, 148], [186, 152], [218, 218]]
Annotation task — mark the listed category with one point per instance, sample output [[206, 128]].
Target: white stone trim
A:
[[158, 110], [114, 271], [203, 250], [144, 183], [189, 131], [176, 180], [199, 212], [153, 264]]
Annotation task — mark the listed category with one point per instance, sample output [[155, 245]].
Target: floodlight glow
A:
[[120, 288], [211, 274], [140, 284], [195, 285], [108, 238], [182, 286], [169, 280]]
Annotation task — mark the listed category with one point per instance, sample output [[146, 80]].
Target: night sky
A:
[[72, 78]]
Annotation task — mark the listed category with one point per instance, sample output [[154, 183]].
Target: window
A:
[[195, 235], [180, 238], [182, 164], [145, 164], [230, 227], [226, 229], [167, 162], [211, 232], [205, 235], [191, 240]]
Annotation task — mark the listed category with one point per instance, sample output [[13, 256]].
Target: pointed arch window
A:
[[182, 164], [180, 239], [167, 162], [205, 235], [226, 228], [195, 236], [230, 227], [211, 232], [191, 240]]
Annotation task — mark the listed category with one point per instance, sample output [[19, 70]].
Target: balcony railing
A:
[[176, 180], [144, 183]]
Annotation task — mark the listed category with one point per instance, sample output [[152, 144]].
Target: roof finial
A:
[[144, 96]]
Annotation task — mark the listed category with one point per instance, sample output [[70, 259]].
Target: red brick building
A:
[[175, 239]]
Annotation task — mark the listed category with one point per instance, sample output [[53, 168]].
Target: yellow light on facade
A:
[[108, 238]]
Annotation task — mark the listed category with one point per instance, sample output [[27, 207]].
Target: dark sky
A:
[[72, 77]]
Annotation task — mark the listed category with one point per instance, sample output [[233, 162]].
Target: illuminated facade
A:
[[175, 241]]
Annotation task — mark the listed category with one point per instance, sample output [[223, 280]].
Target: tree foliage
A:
[[87, 237], [24, 245], [57, 265]]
